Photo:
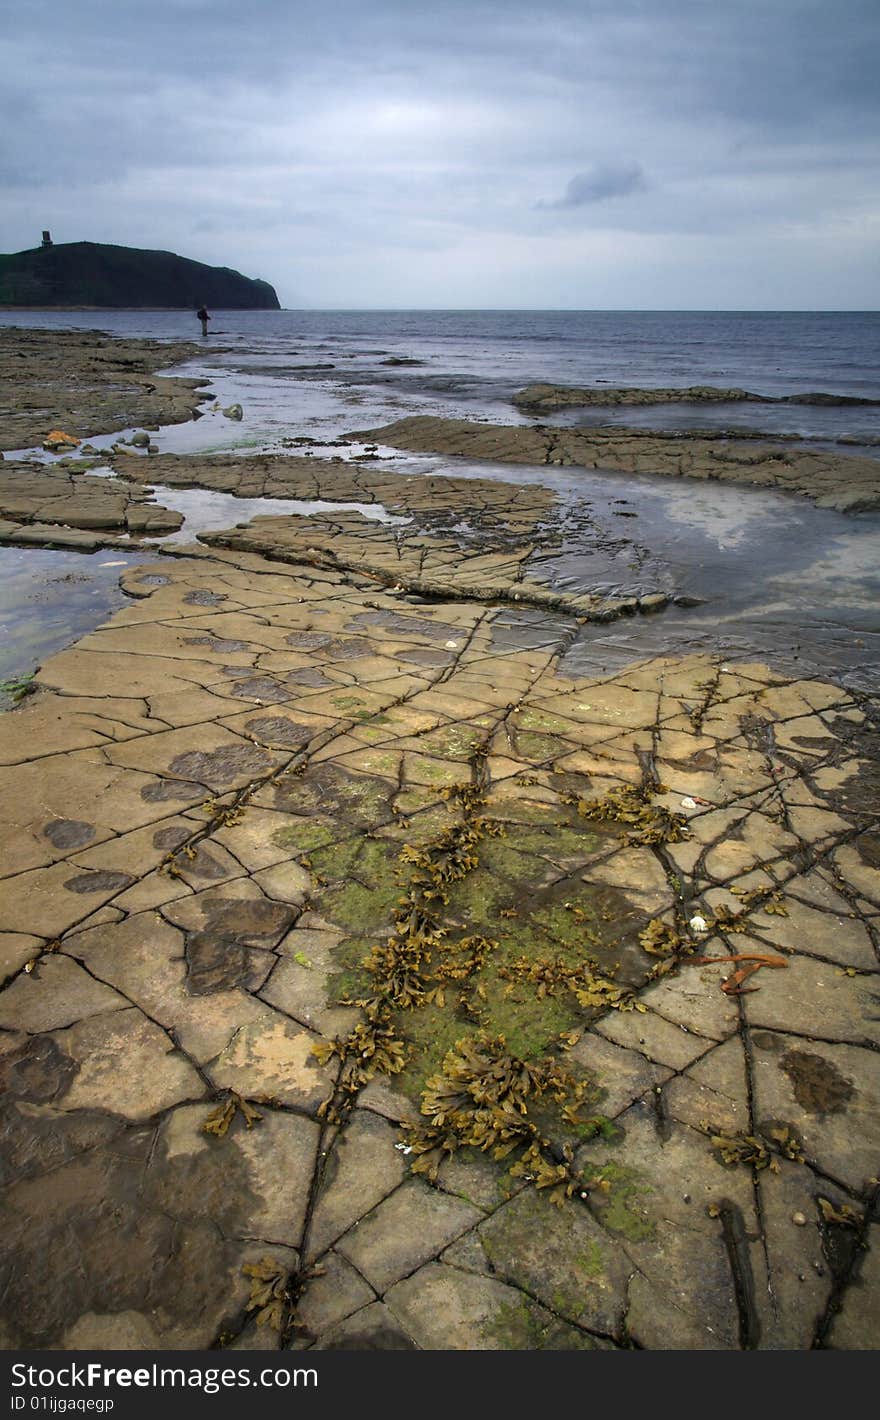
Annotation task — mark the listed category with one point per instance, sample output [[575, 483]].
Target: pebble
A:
[[800, 1219]]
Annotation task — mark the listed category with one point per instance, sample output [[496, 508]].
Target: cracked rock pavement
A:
[[213, 808]]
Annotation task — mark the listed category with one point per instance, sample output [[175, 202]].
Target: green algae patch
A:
[[423, 769], [381, 762], [481, 902], [558, 843], [542, 720], [304, 835], [430, 1033], [357, 800], [356, 907], [349, 981], [536, 979], [524, 1326], [502, 859], [372, 861], [531, 1028], [457, 741], [473, 1026], [530, 1025], [418, 830], [538, 748], [17, 688], [572, 922], [617, 1205], [372, 733], [589, 1262], [414, 798], [526, 811], [553, 1254], [356, 707]]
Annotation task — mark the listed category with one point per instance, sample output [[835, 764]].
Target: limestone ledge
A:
[[846, 482], [39, 494], [87, 383], [418, 565], [210, 810], [543, 398]]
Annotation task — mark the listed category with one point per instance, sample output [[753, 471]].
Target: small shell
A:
[[698, 924]]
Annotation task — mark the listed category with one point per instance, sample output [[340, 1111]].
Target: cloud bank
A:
[[474, 153]]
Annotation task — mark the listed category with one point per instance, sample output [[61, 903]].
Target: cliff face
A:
[[94, 274]]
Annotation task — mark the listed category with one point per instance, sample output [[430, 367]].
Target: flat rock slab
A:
[[843, 481], [544, 398], [92, 383], [51, 494], [218, 810]]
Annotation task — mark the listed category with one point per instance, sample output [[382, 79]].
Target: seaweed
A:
[[744, 1148], [414, 966], [219, 1120], [482, 1094], [659, 939], [554, 974], [645, 823], [486, 1098], [371, 1048], [270, 1297], [843, 1216]]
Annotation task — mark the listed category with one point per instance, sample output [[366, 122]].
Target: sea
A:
[[756, 572]]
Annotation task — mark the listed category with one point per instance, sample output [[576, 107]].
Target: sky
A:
[[565, 154]]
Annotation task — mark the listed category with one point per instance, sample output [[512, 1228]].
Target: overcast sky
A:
[[466, 153]]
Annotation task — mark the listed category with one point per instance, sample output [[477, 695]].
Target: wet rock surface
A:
[[437, 502], [457, 537], [32, 496], [92, 383], [252, 953], [370, 982], [546, 398], [845, 482]]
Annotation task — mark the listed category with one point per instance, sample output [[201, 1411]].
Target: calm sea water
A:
[[777, 576], [769, 352], [473, 361]]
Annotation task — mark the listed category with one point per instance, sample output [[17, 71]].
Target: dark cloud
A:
[[599, 182], [391, 152]]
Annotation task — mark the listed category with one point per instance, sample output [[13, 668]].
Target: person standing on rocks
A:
[[204, 318]]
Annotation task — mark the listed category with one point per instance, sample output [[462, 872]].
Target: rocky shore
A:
[[368, 980], [845, 482], [87, 383], [547, 398], [33, 496]]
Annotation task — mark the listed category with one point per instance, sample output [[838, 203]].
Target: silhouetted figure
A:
[[204, 318]]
